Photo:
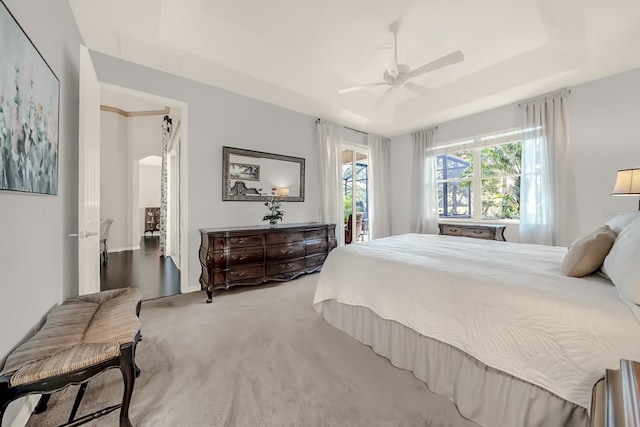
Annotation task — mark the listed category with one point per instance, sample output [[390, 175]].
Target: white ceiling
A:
[[299, 53]]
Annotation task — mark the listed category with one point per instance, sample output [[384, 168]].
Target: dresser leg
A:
[[209, 296]]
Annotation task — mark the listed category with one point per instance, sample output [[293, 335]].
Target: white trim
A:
[[22, 418], [184, 182], [128, 248], [175, 135], [184, 205], [488, 139], [354, 146]]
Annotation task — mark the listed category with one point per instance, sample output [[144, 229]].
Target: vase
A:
[[273, 223]]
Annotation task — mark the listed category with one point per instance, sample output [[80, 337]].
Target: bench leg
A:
[[42, 404], [5, 399], [76, 403], [128, 368]]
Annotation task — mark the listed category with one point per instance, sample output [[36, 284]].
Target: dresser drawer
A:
[[238, 274], [293, 250], [276, 237], [245, 256], [222, 243], [274, 268], [317, 246], [315, 260], [316, 233]]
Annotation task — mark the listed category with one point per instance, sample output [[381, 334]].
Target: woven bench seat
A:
[[83, 332]]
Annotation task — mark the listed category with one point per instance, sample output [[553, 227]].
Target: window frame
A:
[[475, 145]]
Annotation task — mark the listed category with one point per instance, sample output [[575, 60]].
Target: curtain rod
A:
[[557, 92], [355, 130]]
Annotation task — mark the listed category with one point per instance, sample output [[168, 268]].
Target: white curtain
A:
[[379, 181], [547, 196], [424, 209], [166, 134], [330, 197]]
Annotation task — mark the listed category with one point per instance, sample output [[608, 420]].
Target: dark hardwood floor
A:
[[144, 268]]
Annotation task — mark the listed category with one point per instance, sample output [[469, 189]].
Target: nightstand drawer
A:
[[477, 231]]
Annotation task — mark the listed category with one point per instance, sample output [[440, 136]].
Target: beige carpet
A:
[[256, 357]]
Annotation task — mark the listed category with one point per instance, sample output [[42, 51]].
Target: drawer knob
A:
[[237, 273], [287, 252], [285, 266], [240, 240]]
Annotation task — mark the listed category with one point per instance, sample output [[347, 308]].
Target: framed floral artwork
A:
[[29, 113]]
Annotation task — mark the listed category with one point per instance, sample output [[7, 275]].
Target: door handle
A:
[[83, 234]]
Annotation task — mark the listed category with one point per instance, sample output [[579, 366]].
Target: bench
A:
[[81, 338]]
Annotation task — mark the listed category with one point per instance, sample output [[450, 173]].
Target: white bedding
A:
[[506, 304]]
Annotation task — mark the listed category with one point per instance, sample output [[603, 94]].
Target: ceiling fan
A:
[[398, 75]]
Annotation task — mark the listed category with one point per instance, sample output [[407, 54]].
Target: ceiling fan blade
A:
[[419, 89], [382, 98], [445, 61], [359, 87]]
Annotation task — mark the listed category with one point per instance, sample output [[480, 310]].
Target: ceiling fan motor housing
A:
[[400, 79]]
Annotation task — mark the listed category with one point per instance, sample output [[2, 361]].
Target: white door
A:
[[89, 178]]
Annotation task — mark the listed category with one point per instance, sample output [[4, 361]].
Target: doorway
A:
[[133, 140], [355, 182]]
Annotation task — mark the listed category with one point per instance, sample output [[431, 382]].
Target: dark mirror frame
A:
[[227, 151]]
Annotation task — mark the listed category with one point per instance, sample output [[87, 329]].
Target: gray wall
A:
[[38, 263], [604, 127], [216, 118]]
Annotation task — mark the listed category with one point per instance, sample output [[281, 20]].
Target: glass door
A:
[[355, 180]]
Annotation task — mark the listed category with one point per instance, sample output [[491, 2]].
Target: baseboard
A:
[[130, 248], [25, 412]]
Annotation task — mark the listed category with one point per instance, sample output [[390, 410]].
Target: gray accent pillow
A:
[[588, 252]]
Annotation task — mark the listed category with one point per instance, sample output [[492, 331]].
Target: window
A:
[[480, 178]]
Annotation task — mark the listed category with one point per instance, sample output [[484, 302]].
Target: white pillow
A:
[[622, 265], [620, 221]]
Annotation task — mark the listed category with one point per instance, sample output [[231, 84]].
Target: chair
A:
[[105, 227], [347, 230]]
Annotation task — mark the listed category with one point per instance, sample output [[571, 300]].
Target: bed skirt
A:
[[481, 393]]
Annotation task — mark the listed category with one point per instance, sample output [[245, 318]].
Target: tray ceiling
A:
[[298, 54]]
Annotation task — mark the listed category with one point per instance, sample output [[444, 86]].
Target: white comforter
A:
[[506, 304]]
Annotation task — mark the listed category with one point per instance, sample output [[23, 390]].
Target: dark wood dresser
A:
[[253, 255], [475, 230]]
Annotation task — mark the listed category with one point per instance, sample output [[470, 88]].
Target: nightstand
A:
[[614, 402], [475, 230]]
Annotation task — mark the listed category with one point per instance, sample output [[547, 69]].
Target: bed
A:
[[493, 326]]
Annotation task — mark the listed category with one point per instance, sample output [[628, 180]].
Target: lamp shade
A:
[[627, 182], [284, 192]]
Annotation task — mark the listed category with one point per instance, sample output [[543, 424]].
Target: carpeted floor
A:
[[256, 357]]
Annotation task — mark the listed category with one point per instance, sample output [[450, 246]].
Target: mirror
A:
[[255, 176]]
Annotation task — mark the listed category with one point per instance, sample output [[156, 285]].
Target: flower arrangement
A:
[[275, 210]]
